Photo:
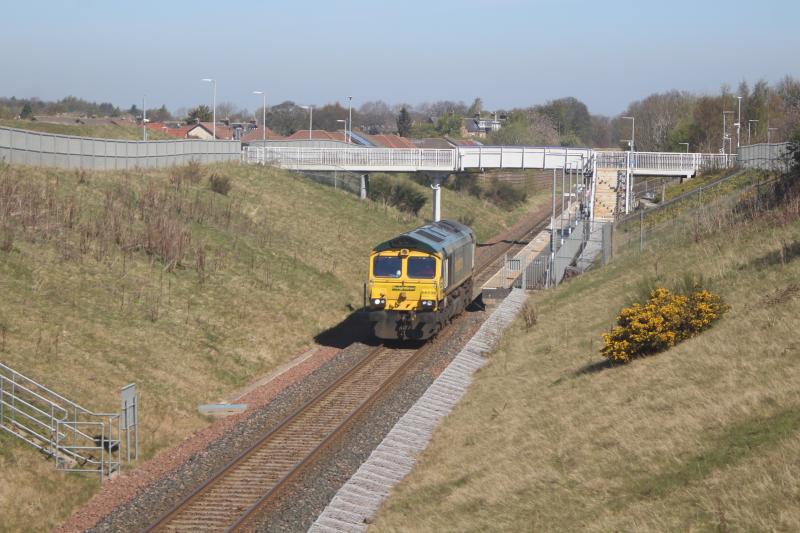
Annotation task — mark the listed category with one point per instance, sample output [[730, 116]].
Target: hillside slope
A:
[[702, 437], [153, 278], [101, 131]]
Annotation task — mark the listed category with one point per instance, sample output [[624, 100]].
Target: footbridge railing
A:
[[659, 163], [523, 157], [355, 159], [361, 159]]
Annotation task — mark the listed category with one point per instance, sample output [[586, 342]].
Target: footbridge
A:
[[607, 176], [362, 159]]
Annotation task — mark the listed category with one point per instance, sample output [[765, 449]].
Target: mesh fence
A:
[[690, 215]]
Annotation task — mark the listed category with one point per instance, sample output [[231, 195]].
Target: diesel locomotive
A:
[[420, 280]]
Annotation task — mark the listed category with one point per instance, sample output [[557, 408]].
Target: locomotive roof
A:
[[442, 236]]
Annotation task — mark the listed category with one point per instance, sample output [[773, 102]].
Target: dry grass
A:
[[702, 437], [119, 277], [100, 131]]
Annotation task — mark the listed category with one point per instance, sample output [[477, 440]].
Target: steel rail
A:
[[166, 517], [251, 513]]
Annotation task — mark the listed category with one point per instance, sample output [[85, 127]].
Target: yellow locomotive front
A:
[[419, 280], [404, 280]]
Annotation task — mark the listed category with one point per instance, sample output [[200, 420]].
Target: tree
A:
[[526, 127], [403, 122], [450, 124], [287, 118], [158, 115], [375, 117], [476, 108], [571, 119], [201, 113], [27, 112]]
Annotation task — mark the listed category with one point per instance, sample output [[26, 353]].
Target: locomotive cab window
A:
[[421, 267], [387, 266]]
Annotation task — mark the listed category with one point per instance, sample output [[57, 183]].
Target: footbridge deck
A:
[[483, 157]]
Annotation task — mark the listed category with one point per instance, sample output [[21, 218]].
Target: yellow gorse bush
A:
[[665, 320]]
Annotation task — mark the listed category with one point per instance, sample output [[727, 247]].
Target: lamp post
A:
[[725, 128], [263, 113], [738, 123], [633, 131], [769, 145], [213, 83], [748, 129], [310, 118], [770, 130], [350, 118], [687, 146], [345, 127]]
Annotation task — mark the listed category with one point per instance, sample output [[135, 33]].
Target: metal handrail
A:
[[57, 426]]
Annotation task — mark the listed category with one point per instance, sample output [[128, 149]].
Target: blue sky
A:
[[509, 52]]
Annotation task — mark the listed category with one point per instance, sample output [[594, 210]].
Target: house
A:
[[204, 130], [479, 127], [171, 129], [433, 143], [318, 135], [257, 134], [462, 142], [387, 141]]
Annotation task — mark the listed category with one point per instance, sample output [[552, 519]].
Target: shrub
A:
[[467, 182], [504, 194], [665, 320], [398, 193], [191, 172], [219, 184]]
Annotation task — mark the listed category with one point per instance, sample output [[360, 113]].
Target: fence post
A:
[[641, 231]]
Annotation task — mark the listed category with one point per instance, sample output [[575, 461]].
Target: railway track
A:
[[491, 258], [236, 493]]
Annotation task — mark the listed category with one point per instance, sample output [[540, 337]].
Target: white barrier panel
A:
[[64, 151]]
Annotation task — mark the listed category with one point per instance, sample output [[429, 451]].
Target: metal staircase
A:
[[77, 439]]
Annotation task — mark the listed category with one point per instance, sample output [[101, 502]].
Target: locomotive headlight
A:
[[427, 303]]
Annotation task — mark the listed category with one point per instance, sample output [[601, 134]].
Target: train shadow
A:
[[355, 328]]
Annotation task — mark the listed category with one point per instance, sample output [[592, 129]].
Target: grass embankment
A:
[[99, 131], [701, 437], [486, 205], [153, 278]]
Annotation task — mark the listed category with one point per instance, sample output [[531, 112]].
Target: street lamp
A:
[[345, 127], [748, 129], [725, 128], [213, 83], [769, 130], [310, 118], [633, 131], [263, 113], [738, 123], [350, 118], [687, 146]]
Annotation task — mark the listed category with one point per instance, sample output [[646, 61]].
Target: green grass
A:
[[703, 437], [101, 131], [92, 300]]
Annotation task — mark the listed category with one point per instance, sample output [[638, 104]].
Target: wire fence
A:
[[773, 156], [339, 179], [692, 213]]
